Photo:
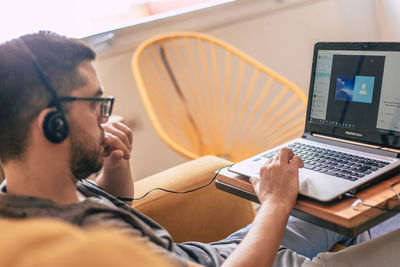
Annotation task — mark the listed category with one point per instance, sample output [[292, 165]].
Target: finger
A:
[[269, 161], [112, 143], [116, 155], [286, 154], [113, 159], [118, 133], [297, 161], [277, 156], [253, 180], [125, 129]]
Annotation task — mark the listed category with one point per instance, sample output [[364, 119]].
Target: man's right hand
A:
[[277, 190], [278, 182]]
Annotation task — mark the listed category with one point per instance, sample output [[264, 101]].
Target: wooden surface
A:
[[338, 213]]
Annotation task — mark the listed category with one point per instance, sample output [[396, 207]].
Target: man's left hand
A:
[[117, 143], [116, 177]]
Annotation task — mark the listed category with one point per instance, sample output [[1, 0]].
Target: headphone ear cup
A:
[[55, 127]]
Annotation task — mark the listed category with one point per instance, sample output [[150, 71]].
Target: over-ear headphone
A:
[[55, 125]]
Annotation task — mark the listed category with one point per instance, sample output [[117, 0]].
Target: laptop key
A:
[[331, 172], [309, 166], [363, 168], [347, 177], [358, 175]]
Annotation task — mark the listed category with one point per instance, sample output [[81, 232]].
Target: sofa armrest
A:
[[204, 215], [49, 242]]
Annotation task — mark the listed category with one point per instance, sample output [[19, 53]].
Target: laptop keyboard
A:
[[332, 162]]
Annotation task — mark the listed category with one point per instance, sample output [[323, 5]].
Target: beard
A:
[[86, 153]]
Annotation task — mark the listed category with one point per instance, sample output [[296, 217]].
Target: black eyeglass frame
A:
[[106, 104]]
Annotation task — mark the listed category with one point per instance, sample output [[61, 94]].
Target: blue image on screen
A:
[[363, 89], [344, 88]]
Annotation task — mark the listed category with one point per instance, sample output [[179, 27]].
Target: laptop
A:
[[352, 127]]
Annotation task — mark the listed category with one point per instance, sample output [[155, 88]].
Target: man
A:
[[53, 135]]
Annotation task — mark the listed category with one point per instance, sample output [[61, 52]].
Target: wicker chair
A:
[[205, 97]]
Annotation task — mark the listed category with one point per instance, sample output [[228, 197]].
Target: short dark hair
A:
[[23, 94]]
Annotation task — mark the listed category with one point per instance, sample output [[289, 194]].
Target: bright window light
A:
[[82, 18]]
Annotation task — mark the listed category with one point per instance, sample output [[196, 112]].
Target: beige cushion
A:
[[206, 215], [47, 242]]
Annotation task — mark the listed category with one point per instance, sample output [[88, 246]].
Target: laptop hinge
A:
[[383, 151]]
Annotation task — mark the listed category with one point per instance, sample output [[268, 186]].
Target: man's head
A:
[[24, 96]]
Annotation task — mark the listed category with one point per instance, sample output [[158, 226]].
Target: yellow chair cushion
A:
[[205, 215], [48, 242]]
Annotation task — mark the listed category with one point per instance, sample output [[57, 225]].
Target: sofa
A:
[[206, 215]]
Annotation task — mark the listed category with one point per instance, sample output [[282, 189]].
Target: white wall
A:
[[282, 39]]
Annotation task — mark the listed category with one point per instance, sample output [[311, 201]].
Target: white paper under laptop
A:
[[354, 96]]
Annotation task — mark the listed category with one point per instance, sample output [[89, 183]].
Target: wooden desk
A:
[[337, 216]]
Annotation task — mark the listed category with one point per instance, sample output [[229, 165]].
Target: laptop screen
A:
[[355, 92]]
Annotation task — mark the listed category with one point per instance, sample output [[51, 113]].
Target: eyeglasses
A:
[[106, 103]]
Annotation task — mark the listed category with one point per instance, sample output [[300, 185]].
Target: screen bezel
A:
[[387, 139]]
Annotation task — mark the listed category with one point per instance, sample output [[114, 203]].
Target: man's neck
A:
[[47, 179]]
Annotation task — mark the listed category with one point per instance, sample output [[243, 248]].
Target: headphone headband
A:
[[55, 125], [43, 75]]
